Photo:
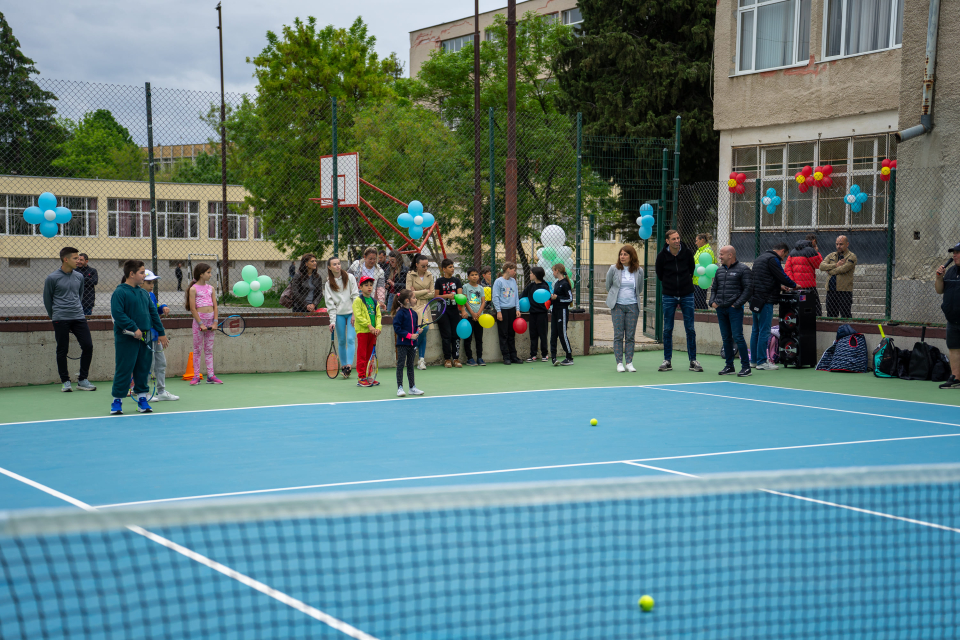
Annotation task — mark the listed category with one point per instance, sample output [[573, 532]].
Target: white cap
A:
[[151, 275]]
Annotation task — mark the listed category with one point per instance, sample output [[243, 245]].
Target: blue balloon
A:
[[777, 201], [856, 207], [33, 215], [646, 208], [47, 201], [645, 233], [415, 232], [771, 209], [647, 221], [464, 330], [861, 197], [405, 219], [855, 189], [48, 229], [541, 295], [771, 192], [524, 305], [63, 215], [415, 208], [428, 220]]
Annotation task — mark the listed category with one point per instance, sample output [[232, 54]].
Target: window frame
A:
[[566, 12], [843, 32], [13, 216], [241, 220], [754, 9], [142, 217], [463, 41]]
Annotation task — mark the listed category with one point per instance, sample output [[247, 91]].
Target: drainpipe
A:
[[926, 118]]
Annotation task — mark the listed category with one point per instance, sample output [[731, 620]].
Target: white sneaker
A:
[[415, 392], [164, 395], [422, 365], [401, 393], [631, 368], [768, 366], [620, 368]]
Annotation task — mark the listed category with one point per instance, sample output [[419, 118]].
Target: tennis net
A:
[[856, 553]]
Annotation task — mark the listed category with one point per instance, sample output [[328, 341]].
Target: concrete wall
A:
[[28, 349]]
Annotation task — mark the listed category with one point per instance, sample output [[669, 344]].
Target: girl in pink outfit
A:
[[202, 304]]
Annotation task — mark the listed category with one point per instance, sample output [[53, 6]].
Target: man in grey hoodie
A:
[[62, 292]]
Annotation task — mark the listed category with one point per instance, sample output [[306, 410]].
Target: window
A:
[[271, 264], [455, 44], [11, 215], [489, 36], [178, 219], [549, 18], [258, 228], [236, 223], [853, 27], [18, 262], [129, 218], [572, 16], [83, 223], [772, 34], [84, 220]]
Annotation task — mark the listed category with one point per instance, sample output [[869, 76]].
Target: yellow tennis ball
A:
[[593, 422], [646, 603]]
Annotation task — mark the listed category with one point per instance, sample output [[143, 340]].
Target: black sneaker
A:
[[507, 361], [517, 361], [746, 371], [554, 361], [952, 383], [566, 362], [531, 359], [544, 359], [728, 370]]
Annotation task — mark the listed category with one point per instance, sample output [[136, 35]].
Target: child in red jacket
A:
[[802, 267]]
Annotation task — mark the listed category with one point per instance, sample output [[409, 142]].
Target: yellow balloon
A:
[[486, 293], [486, 321]]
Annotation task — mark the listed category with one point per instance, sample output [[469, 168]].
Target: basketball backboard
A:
[[347, 179]]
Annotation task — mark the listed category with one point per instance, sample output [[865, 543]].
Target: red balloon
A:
[[807, 170], [827, 182], [885, 163], [520, 325], [803, 188], [547, 304], [893, 164], [741, 188], [741, 177], [827, 169], [733, 176]]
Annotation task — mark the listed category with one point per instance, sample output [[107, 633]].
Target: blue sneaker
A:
[[471, 362], [481, 363], [116, 409], [142, 406]]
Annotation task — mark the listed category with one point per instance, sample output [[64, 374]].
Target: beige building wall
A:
[[423, 41]]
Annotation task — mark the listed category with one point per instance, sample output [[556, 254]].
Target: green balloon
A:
[[255, 298], [705, 259], [249, 273], [712, 270], [241, 289], [460, 298], [549, 254], [704, 282], [265, 283]]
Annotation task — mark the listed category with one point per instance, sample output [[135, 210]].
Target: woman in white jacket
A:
[[339, 292]]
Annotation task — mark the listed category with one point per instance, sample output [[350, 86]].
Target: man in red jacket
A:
[[802, 268]]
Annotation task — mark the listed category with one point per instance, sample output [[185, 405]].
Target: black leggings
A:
[[81, 331], [448, 333], [406, 356], [558, 329], [537, 326], [508, 337]]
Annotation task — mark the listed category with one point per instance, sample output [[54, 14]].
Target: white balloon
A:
[[418, 220], [767, 200], [49, 215], [564, 252], [255, 285], [701, 271], [553, 236]]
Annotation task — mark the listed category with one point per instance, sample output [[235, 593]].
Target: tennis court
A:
[[345, 512]]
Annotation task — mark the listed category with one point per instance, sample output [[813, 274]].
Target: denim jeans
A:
[[422, 342], [760, 335], [346, 339], [686, 304], [731, 330]]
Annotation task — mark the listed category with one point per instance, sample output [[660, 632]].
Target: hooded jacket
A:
[[802, 265], [675, 272]]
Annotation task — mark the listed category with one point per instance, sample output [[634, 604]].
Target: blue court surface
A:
[[828, 558]]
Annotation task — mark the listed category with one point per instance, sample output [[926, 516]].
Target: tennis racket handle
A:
[[131, 334]]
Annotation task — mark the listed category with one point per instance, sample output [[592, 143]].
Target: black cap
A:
[[955, 248]]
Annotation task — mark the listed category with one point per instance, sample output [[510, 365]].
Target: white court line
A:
[[880, 514], [321, 404], [555, 466], [832, 393], [279, 596]]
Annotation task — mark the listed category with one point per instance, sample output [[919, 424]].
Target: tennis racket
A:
[[333, 360], [437, 306], [373, 367], [232, 326], [145, 337], [73, 350]]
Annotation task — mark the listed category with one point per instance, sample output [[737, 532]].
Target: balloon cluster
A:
[[771, 201], [705, 271], [885, 168], [554, 252], [414, 220], [855, 198], [252, 286], [814, 177], [645, 221], [48, 215], [735, 183]]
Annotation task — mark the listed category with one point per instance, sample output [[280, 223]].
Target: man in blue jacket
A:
[[731, 289]]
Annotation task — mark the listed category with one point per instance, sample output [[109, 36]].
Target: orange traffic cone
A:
[[189, 375]]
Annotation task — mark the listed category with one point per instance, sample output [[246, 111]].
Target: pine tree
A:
[[29, 133], [633, 66]]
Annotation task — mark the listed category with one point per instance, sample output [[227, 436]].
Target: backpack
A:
[[885, 358], [850, 354], [826, 360], [903, 363], [773, 346], [940, 372], [921, 360]]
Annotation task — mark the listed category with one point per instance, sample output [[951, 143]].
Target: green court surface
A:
[[46, 402]]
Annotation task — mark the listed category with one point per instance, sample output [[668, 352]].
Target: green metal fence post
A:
[[153, 183], [336, 218], [593, 227], [891, 227], [676, 174], [493, 198], [756, 222], [658, 303], [579, 201]]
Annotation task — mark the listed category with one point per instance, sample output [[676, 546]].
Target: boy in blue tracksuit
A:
[[407, 331]]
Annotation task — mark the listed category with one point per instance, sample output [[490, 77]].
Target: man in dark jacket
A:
[[947, 284], [675, 272], [90, 279], [768, 280], [178, 272], [731, 289]]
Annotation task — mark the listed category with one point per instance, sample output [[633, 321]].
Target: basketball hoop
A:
[[347, 180]]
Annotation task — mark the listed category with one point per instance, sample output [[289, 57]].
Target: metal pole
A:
[[336, 196], [477, 195], [153, 185], [225, 278], [510, 215], [579, 200], [891, 214], [593, 227], [658, 301], [756, 221], [676, 173], [493, 199]]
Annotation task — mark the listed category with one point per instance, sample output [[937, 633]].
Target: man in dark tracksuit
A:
[[133, 312], [732, 287], [675, 272]]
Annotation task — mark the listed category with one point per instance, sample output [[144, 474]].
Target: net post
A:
[[891, 214], [579, 238], [333, 179], [593, 227], [658, 303], [153, 183]]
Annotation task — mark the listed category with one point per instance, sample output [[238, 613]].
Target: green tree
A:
[[100, 147], [633, 66], [29, 131]]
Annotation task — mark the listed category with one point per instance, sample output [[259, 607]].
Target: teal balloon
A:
[[861, 197], [647, 220], [47, 201], [549, 254], [712, 271], [777, 201], [415, 232], [405, 219], [249, 273], [48, 229], [771, 208], [64, 215], [856, 207], [524, 305], [241, 289], [541, 295], [265, 282], [464, 329], [704, 282], [33, 215], [255, 298], [646, 208], [645, 233], [705, 259], [428, 220], [415, 208], [855, 189], [771, 192]]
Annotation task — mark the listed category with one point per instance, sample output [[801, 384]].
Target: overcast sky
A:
[[173, 43]]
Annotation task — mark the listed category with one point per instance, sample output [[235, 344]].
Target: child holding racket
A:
[[159, 357], [407, 331], [202, 305], [366, 319]]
